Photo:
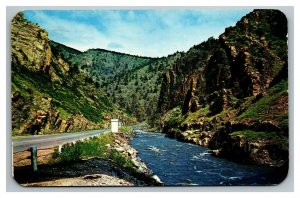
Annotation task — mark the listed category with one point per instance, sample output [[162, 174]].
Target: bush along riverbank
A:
[[106, 160]]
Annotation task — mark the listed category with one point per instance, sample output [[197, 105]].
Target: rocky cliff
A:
[[243, 61], [48, 94], [231, 94]]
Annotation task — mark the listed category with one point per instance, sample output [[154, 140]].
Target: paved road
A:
[[48, 141]]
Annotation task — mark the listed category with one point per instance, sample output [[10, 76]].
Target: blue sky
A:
[[153, 33]]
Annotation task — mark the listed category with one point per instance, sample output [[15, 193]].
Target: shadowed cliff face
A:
[[48, 94], [240, 77]]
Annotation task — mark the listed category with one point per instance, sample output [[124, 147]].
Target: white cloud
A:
[[78, 35]]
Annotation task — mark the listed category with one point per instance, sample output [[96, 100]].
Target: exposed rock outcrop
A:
[[50, 121], [263, 151], [122, 145], [30, 46]]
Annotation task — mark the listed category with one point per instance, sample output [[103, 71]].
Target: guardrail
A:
[[33, 149]]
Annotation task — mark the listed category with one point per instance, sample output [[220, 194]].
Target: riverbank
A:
[[266, 148], [107, 160]]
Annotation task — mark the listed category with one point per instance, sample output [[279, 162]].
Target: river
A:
[[178, 163]]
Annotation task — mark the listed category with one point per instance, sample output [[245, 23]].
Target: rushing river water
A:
[[178, 163]]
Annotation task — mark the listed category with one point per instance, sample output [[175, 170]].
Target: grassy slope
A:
[[262, 109], [74, 96]]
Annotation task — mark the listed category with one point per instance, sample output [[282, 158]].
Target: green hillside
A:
[[132, 82]]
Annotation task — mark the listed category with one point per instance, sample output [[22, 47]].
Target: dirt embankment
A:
[[89, 172]]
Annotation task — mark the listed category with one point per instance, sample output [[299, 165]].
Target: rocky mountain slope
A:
[[48, 94], [231, 93]]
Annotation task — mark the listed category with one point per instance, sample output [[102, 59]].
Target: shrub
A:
[[173, 117], [202, 112], [95, 147], [255, 135]]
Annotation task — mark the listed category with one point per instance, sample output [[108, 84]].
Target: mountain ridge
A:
[[120, 74]]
